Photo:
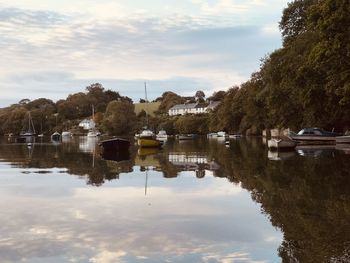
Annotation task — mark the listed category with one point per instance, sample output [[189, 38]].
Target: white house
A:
[[87, 124], [192, 108]]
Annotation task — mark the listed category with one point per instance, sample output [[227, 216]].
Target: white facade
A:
[[192, 108]]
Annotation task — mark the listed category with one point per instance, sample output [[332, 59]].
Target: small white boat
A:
[[314, 136], [342, 139], [93, 133], [41, 135], [185, 136], [281, 144], [66, 134], [212, 135], [222, 134], [161, 135], [235, 136]]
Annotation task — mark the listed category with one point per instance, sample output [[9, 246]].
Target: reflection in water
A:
[[88, 144], [192, 162], [280, 155], [61, 219], [315, 150]]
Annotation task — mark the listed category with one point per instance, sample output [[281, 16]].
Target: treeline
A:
[[48, 116], [304, 83]]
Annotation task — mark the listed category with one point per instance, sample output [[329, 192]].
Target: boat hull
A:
[[305, 139], [115, 145], [148, 142], [281, 144], [185, 137], [55, 136]]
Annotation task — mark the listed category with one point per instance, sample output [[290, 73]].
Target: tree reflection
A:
[[305, 195], [307, 198]]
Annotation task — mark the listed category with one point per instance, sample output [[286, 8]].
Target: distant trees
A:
[[119, 118], [70, 110], [200, 96], [168, 100], [306, 82], [192, 124], [217, 96]]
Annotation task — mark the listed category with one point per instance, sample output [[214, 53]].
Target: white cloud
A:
[[219, 44], [108, 257]]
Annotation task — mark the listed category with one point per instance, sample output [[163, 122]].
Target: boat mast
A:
[[93, 115], [31, 124], [146, 107], [146, 181]]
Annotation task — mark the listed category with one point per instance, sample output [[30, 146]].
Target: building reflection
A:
[[196, 162]]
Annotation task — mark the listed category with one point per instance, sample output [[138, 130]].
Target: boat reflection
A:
[[315, 150], [345, 148], [88, 144], [115, 156], [280, 156]]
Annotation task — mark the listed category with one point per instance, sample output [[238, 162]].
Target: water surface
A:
[[196, 201]]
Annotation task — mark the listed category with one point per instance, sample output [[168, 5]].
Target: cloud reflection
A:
[[120, 224]]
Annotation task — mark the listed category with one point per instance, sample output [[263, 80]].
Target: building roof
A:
[[184, 106], [211, 105]]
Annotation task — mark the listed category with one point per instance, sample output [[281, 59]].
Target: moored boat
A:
[[185, 136], [162, 135], [66, 134], [235, 136], [56, 136], [30, 129], [93, 133], [147, 138], [148, 142], [222, 134], [281, 144], [115, 145], [212, 135], [314, 136]]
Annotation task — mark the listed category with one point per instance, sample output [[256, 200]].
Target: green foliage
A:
[[217, 96], [304, 83], [188, 124], [119, 118], [168, 100]]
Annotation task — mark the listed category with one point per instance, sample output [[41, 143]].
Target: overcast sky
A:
[[53, 48]]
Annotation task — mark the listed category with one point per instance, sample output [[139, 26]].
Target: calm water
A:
[[194, 201]]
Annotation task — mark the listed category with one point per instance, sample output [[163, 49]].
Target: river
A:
[[191, 201]]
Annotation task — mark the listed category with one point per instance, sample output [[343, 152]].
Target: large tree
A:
[[119, 118]]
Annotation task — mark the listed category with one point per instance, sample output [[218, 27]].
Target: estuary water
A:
[[191, 201]]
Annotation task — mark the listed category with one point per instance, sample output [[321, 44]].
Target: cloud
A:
[[210, 52]]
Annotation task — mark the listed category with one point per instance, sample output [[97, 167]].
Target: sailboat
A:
[[56, 136], [93, 132], [147, 138], [31, 130]]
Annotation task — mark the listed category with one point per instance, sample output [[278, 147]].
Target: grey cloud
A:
[[204, 43], [28, 17]]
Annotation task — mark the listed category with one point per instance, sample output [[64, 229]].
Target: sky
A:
[[54, 48]]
